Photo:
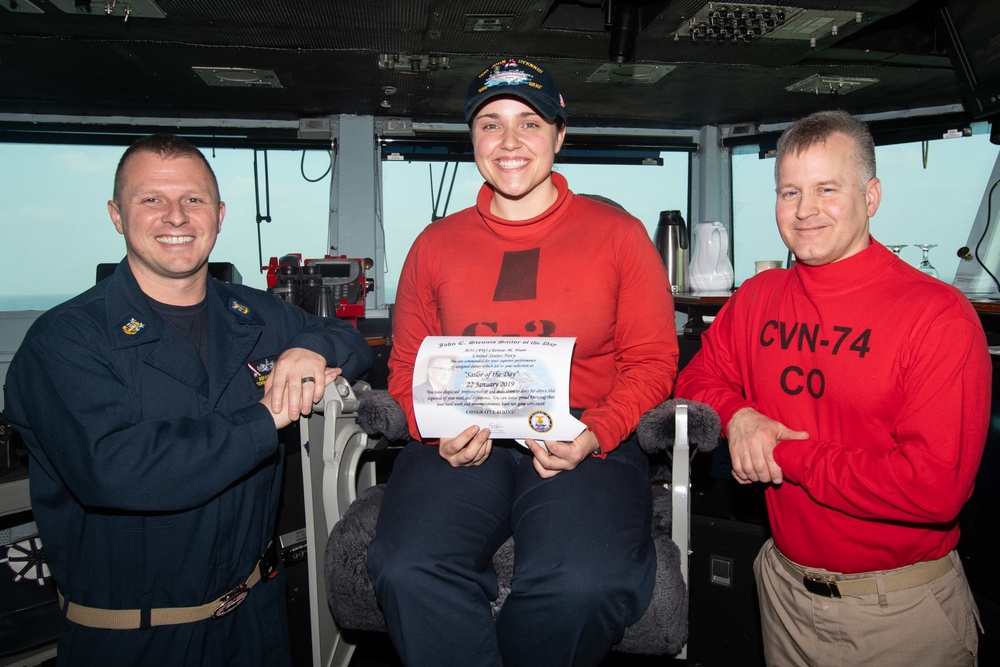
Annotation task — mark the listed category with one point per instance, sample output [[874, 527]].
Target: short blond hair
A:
[[820, 126]]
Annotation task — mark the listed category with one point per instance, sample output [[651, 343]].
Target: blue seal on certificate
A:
[[540, 421]]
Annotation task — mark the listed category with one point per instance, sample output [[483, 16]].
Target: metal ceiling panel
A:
[[330, 59]]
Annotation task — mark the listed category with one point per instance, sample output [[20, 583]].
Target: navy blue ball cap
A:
[[519, 78]]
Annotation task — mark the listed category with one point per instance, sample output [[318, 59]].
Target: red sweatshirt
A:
[[888, 371], [582, 268]]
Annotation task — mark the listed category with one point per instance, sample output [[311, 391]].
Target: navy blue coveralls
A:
[[154, 482]]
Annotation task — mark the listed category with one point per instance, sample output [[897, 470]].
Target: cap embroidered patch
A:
[[519, 78], [132, 326], [507, 74]]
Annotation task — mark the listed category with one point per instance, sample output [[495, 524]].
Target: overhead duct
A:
[[624, 32], [626, 19]]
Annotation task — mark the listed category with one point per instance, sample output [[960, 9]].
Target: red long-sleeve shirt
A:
[[582, 268], [888, 371]]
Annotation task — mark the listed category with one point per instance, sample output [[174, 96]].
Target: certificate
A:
[[516, 387]]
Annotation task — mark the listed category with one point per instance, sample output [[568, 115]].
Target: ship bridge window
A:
[[56, 230], [422, 183]]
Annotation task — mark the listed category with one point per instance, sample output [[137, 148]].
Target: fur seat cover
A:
[[662, 630]]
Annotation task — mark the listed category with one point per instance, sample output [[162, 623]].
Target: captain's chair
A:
[[342, 502]]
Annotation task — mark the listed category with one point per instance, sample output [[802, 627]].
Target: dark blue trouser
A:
[[584, 559]]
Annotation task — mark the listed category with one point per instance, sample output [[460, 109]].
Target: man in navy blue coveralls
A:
[[150, 405]]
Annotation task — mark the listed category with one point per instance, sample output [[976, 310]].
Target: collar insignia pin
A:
[[238, 307], [132, 327]]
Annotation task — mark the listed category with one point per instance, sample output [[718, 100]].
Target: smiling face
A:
[[169, 212], [515, 147], [823, 205]]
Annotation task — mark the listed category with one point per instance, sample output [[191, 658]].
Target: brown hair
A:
[[167, 146]]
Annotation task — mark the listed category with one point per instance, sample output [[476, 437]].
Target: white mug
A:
[[765, 264]]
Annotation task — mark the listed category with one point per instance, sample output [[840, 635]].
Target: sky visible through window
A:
[[642, 190], [56, 230]]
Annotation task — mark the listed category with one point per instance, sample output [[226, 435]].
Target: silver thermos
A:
[[672, 242]]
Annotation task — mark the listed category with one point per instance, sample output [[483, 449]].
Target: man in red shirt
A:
[[858, 389]]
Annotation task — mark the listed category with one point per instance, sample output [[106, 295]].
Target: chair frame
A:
[[330, 483], [333, 475]]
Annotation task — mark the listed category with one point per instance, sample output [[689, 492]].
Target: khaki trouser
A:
[[932, 624]]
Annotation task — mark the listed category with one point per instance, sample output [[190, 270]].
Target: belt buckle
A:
[[231, 600], [268, 564], [820, 585]]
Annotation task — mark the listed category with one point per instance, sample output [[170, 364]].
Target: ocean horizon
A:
[[31, 301]]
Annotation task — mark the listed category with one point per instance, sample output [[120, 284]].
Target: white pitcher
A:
[[711, 270]]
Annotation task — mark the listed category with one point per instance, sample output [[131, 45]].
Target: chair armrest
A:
[[333, 469], [380, 415], [680, 486], [673, 429], [656, 429]]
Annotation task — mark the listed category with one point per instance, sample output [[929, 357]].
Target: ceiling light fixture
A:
[[141, 9], [629, 73], [488, 22], [21, 7], [238, 77], [813, 24], [820, 84]]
